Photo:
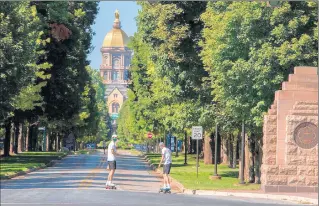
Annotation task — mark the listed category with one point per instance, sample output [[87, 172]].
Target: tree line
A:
[[45, 78], [203, 63]]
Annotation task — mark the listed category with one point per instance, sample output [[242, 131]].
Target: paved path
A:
[[80, 180]]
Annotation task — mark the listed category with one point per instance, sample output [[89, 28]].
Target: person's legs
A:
[[167, 175], [112, 167], [166, 170], [112, 172], [110, 178], [168, 182], [165, 180]]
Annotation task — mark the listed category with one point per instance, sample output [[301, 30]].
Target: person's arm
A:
[[114, 151], [161, 161]]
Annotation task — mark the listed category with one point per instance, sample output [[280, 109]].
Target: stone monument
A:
[[290, 136]]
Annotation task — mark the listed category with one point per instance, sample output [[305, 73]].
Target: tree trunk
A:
[[32, 143], [57, 142], [51, 140], [258, 160], [230, 151], [7, 139], [60, 143], [27, 139], [23, 138], [12, 138], [208, 155], [16, 137], [47, 138], [225, 149], [35, 138], [247, 162], [235, 151], [176, 146], [252, 149], [20, 138]]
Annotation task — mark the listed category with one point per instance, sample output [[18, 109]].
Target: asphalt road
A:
[[80, 180]]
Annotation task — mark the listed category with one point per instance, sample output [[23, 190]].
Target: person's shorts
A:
[[112, 165], [167, 168]]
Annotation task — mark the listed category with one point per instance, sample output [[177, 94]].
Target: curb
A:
[[182, 189], [49, 164], [256, 195]]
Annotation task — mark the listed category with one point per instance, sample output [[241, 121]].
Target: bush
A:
[[124, 145]]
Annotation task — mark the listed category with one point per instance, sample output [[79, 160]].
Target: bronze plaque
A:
[[306, 135]]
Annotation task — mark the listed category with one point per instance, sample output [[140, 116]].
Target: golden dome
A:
[[116, 37]]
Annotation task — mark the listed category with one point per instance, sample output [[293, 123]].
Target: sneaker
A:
[[112, 184]]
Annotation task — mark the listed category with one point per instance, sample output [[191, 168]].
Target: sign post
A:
[[197, 134]]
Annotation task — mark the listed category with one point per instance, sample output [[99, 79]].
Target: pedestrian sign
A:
[[197, 132]]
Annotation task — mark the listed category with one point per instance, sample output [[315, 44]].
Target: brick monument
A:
[[290, 139]]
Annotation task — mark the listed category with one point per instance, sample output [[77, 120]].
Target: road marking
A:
[[89, 179]]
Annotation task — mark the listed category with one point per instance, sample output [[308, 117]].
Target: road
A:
[[80, 180]]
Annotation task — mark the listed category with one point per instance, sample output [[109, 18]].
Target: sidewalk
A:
[[302, 198]]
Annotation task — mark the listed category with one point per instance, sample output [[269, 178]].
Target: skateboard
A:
[[108, 187], [164, 190]]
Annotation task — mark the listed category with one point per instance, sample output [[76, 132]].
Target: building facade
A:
[[116, 59]]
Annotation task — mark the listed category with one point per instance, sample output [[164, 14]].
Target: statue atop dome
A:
[[117, 14], [117, 23]]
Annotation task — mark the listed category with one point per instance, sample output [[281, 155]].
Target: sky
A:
[[104, 22]]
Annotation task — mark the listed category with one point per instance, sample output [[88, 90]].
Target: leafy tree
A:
[[249, 49], [20, 47]]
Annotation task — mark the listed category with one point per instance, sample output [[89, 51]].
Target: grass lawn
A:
[[86, 151], [187, 174], [24, 161]]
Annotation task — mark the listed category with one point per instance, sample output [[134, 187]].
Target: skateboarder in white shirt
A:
[[111, 152], [167, 159]]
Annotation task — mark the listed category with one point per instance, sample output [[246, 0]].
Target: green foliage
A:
[[253, 50], [45, 80], [167, 92], [91, 122], [235, 53], [19, 50]]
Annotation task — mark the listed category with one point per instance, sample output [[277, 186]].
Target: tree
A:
[[43, 73], [20, 47], [249, 49]]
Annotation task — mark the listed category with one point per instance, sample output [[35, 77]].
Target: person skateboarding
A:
[[167, 159], [111, 152], [104, 146]]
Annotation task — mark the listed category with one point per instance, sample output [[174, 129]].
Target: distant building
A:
[[116, 59]]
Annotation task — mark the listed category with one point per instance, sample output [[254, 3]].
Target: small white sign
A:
[[41, 128], [197, 132]]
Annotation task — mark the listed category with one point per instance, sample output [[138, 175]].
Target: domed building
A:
[[116, 59]]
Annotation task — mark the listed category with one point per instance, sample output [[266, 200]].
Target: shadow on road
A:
[[84, 171]]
